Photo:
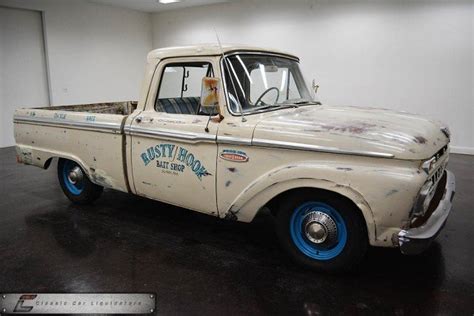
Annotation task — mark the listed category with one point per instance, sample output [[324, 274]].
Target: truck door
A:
[[173, 157]]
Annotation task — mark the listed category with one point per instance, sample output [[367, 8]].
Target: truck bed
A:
[[121, 108], [90, 134]]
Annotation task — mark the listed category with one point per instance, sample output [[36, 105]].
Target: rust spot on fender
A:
[[352, 128], [391, 192], [420, 140], [231, 215]]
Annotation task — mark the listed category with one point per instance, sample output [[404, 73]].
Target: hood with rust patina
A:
[[353, 130]]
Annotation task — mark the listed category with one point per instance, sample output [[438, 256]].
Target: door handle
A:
[[141, 119]]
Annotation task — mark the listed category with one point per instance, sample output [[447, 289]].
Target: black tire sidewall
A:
[[356, 244]]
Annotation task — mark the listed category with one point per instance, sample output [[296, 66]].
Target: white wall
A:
[[22, 66], [95, 53], [406, 55]]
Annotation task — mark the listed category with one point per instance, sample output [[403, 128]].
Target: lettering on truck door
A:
[[173, 157]]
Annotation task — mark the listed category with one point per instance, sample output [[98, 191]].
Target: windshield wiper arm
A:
[[282, 106], [304, 102]]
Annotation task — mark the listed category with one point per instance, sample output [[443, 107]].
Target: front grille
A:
[[440, 152], [434, 178]]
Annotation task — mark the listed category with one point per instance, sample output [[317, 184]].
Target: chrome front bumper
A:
[[413, 241]]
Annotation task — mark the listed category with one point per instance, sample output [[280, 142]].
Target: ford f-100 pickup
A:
[[231, 130]]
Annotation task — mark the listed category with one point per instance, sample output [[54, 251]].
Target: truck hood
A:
[[352, 130]]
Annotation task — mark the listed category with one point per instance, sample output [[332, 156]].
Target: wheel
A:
[[75, 183], [322, 231]]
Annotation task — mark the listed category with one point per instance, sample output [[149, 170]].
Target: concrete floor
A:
[[197, 264]]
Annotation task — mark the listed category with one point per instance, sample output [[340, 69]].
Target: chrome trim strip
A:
[[230, 140], [111, 126], [173, 134], [300, 146]]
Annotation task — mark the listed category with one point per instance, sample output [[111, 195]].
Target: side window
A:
[[180, 87]]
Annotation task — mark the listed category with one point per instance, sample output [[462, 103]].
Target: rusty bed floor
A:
[[201, 265]]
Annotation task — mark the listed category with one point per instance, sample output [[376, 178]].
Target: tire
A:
[[322, 231], [78, 188]]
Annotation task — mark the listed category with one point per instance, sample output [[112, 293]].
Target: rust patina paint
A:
[[371, 156]]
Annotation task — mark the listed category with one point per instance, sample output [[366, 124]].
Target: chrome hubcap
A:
[[75, 175], [320, 228], [316, 233]]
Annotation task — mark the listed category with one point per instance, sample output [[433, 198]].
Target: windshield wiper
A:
[[305, 102], [273, 106]]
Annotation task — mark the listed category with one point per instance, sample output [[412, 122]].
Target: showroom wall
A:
[[23, 79], [94, 52], [415, 56]]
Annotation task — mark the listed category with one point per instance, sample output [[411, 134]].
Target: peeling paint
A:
[[391, 192], [420, 140], [231, 216], [100, 177], [344, 168], [351, 127]]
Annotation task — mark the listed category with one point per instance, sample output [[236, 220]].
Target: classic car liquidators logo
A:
[[78, 303], [174, 158]]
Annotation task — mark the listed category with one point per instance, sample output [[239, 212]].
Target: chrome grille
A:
[[440, 153], [436, 176]]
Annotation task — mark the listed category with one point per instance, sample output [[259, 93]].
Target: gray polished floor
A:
[[197, 264]]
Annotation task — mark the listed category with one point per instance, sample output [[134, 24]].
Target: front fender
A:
[[303, 175], [383, 190]]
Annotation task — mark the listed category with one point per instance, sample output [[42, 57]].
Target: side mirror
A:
[[315, 86], [210, 95]]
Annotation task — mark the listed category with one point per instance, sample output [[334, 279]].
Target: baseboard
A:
[[462, 150]]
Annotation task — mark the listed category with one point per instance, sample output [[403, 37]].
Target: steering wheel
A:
[[265, 92]]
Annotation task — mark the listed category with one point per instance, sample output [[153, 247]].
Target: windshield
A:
[[262, 82]]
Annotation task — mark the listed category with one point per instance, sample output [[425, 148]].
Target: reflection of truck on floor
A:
[[229, 131]]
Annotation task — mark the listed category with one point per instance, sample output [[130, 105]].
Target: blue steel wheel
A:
[[73, 177], [318, 230], [321, 230], [75, 183]]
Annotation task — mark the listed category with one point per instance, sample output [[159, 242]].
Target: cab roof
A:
[[209, 50]]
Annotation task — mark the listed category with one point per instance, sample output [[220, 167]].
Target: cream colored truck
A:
[[229, 131]]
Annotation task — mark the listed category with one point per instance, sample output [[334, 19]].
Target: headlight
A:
[[424, 199], [421, 203], [428, 165]]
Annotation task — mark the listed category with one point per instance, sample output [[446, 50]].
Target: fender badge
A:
[[234, 155]]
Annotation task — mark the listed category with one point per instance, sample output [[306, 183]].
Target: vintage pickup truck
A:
[[231, 130]]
